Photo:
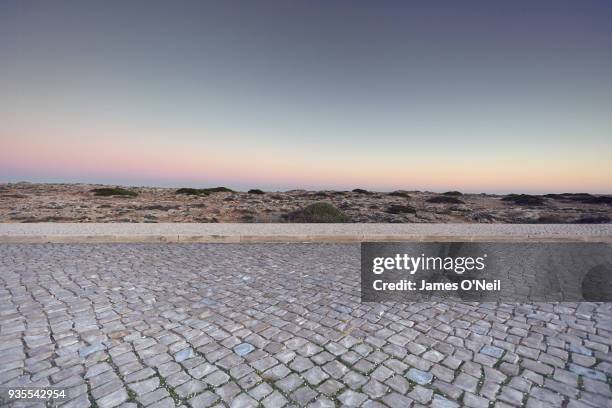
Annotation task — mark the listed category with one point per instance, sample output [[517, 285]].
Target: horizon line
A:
[[278, 190]]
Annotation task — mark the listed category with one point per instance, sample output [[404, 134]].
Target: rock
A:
[[419, 376], [441, 402], [85, 351], [184, 354], [492, 351], [243, 349], [587, 372]]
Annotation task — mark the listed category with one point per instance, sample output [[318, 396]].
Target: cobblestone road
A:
[[277, 324]]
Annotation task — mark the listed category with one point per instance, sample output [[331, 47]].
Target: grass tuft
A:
[[318, 213]]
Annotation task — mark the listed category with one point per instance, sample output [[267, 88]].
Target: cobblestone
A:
[[131, 325], [419, 376]]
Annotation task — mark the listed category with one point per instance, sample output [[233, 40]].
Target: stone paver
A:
[[273, 325]]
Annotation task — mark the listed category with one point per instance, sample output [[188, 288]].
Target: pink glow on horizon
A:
[[129, 160]]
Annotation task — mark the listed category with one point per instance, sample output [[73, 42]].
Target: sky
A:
[[474, 96]]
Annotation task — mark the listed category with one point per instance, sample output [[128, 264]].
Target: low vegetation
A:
[[453, 193], [321, 212], [550, 219], [219, 190], [588, 219], [443, 199], [598, 200], [585, 198], [361, 191], [523, 199], [255, 191], [399, 194], [595, 219], [191, 191], [113, 192], [569, 196], [400, 209], [203, 191]]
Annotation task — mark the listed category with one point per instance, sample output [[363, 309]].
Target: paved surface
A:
[[189, 232], [278, 325]]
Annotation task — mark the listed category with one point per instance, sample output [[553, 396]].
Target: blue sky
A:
[[478, 96]]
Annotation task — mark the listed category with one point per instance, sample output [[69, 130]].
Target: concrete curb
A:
[[279, 233]]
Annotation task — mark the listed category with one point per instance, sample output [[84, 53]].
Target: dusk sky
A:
[[474, 96]]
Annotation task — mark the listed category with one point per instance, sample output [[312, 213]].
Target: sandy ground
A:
[[30, 202]]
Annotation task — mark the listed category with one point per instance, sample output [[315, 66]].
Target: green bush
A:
[[191, 191], [585, 198], [203, 191], [597, 200], [401, 209], [399, 194], [550, 219], [318, 213], [453, 193], [113, 191], [361, 191], [569, 196], [524, 199], [219, 190], [445, 200], [255, 191]]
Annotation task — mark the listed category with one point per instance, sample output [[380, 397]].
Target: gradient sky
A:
[[477, 96]]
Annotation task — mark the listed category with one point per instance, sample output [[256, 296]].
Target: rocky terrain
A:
[[30, 202]]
